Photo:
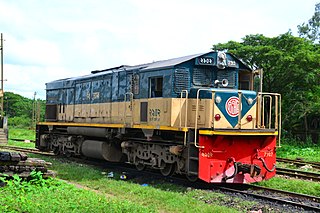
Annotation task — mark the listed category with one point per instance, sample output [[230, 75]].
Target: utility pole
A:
[[1, 91], [34, 111], [3, 120]]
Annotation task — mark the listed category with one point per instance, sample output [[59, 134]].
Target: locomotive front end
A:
[[237, 126], [241, 146]]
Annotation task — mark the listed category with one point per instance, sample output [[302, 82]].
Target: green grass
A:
[[56, 196], [293, 185], [158, 197], [296, 149], [26, 134], [22, 133]]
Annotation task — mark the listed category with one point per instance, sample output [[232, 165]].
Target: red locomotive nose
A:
[[217, 117], [249, 118]]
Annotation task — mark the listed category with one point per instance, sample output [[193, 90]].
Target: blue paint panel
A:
[[78, 99], [96, 91], [226, 95], [70, 96], [115, 86], [86, 93], [111, 84], [122, 86], [106, 90], [53, 96]]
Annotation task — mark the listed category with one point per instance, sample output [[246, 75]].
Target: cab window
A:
[[155, 87], [245, 79]]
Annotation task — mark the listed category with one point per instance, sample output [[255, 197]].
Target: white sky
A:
[[46, 40]]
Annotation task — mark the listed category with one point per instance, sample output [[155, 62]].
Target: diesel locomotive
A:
[[204, 116]]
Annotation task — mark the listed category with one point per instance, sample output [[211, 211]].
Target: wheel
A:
[[192, 178], [67, 154], [56, 150], [168, 169], [140, 166]]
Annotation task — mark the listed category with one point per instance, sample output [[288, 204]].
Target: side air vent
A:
[[181, 80], [229, 75]]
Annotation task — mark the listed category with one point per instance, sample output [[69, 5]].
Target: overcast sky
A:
[[46, 40]]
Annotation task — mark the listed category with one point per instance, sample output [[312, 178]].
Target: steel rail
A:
[[24, 149], [315, 165], [314, 201], [299, 174]]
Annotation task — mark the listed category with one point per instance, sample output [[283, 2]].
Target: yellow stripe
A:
[[217, 132], [137, 126], [82, 124]]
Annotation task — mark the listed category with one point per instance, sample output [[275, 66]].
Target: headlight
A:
[[250, 101], [218, 99]]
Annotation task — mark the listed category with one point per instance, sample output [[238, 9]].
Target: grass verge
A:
[[23, 134], [296, 149], [293, 185], [155, 196], [55, 196]]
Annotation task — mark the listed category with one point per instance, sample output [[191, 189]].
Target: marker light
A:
[[249, 101], [217, 117], [218, 99], [249, 118]]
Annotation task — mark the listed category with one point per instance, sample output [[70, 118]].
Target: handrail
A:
[[239, 108], [280, 123], [196, 118], [186, 114], [270, 108], [277, 112]]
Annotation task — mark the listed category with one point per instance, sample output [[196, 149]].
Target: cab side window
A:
[[155, 87], [245, 81]]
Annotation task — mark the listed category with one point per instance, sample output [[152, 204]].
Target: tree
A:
[[291, 67], [19, 109], [310, 30]]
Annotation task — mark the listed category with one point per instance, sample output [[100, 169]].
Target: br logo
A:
[[232, 106]]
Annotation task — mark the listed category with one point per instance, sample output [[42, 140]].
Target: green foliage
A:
[[299, 186], [291, 68], [20, 133], [310, 30], [19, 122], [25, 134], [167, 198], [293, 149], [50, 195], [19, 109]]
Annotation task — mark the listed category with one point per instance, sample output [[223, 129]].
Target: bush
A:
[[19, 122]]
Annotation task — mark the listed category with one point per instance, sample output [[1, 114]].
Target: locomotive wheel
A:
[[140, 166], [56, 151], [67, 154], [192, 178], [168, 169]]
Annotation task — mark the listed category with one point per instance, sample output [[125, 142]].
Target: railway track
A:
[[305, 202], [22, 149], [297, 201], [299, 174], [315, 165]]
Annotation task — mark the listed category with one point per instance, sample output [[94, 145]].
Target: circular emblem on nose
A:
[[232, 106]]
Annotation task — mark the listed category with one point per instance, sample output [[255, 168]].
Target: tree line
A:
[[22, 112], [292, 68]]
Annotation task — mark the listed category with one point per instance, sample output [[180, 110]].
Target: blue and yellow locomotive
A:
[[201, 115]]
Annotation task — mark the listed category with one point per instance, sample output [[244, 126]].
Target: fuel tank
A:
[[110, 151]]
